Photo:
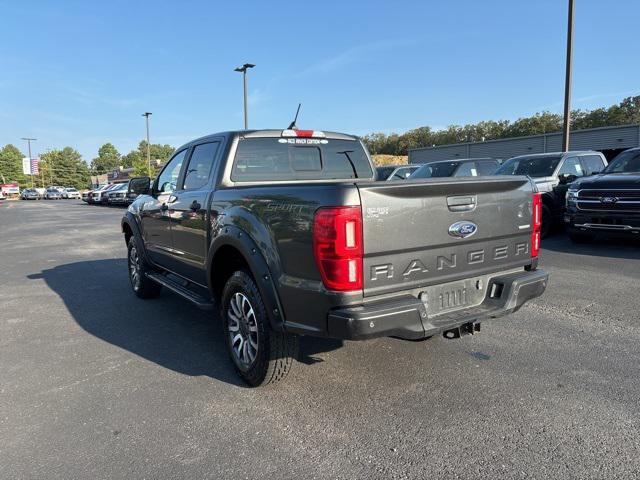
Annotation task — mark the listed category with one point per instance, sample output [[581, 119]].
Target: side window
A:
[[168, 179], [487, 167], [199, 167], [467, 169], [571, 166], [402, 174], [592, 164]]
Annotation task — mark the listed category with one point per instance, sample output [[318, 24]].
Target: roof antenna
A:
[[292, 125]]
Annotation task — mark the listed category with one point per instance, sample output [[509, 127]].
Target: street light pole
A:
[[566, 124], [244, 69], [146, 115], [29, 140]]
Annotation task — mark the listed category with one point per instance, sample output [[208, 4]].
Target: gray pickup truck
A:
[[287, 233]]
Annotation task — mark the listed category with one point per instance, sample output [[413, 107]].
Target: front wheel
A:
[[142, 285], [260, 354]]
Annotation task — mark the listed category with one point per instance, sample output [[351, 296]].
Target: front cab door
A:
[[154, 213]]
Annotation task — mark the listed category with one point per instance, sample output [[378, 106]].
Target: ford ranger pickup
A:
[[287, 233]]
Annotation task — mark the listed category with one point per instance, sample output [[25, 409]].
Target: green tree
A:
[[64, 167], [11, 166], [130, 158], [108, 159], [626, 112], [162, 153]]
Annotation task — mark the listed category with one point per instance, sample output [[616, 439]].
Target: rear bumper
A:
[[408, 317]]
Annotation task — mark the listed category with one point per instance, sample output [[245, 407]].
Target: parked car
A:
[[30, 194], [608, 203], [395, 172], [117, 195], [95, 195], [71, 193], [552, 173], [286, 233], [2, 197], [85, 195], [53, 194], [458, 167]]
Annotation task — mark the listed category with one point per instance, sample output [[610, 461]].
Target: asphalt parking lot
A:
[[95, 383]]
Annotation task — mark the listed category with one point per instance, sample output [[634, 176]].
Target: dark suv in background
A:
[[606, 203], [552, 173]]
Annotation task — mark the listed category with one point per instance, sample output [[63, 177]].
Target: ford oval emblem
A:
[[463, 229]]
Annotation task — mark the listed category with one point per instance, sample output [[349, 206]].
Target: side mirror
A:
[[566, 178], [139, 186]]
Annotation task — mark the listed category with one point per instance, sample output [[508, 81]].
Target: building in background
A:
[[608, 140]]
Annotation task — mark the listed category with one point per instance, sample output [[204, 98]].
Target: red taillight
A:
[[337, 246], [536, 223]]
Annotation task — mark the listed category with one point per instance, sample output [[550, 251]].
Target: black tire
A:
[[137, 267], [267, 356], [580, 237], [547, 222]]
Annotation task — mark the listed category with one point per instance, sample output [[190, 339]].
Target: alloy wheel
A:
[[134, 268], [243, 329]]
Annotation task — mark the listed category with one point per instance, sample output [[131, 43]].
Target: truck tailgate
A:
[[410, 236]]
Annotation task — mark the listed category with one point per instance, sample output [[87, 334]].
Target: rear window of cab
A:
[[282, 159]]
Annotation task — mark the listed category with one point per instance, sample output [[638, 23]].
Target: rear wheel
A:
[[260, 354], [142, 286]]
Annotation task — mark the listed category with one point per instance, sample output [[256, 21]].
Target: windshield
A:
[[435, 170], [532, 166], [280, 159], [625, 162]]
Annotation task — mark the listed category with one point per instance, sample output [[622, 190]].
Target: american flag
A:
[[35, 164]]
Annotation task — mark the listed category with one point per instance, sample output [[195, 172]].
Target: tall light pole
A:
[[566, 124], [244, 69], [146, 115], [29, 140]]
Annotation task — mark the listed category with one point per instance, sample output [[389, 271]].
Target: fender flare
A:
[[237, 238], [130, 220]]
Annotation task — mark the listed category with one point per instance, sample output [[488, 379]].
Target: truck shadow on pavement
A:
[[168, 331]]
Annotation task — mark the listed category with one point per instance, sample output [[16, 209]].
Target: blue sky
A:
[[82, 73]]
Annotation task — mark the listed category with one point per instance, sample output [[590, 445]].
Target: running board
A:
[[184, 292]]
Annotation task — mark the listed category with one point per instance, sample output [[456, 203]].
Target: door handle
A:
[[195, 206], [462, 203]]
